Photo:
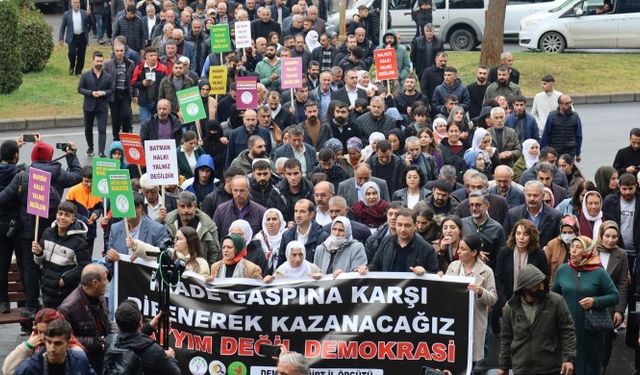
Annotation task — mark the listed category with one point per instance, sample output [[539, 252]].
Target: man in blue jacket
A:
[[57, 357], [522, 122]]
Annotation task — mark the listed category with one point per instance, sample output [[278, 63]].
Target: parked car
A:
[[459, 22], [583, 24]]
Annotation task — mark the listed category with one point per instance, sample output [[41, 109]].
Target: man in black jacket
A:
[[305, 227], [155, 360], [545, 218], [262, 185], [130, 26], [477, 90], [405, 99], [424, 49], [9, 167], [96, 86], [62, 253], [404, 251], [628, 159], [17, 191], [121, 71], [162, 125], [432, 77], [87, 312]]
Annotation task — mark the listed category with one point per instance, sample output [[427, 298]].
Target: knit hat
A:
[[238, 242], [42, 151], [529, 276]]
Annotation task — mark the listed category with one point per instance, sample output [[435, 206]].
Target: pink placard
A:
[[291, 68], [38, 192], [246, 93]]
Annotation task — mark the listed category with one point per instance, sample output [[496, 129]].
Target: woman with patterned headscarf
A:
[[585, 285]]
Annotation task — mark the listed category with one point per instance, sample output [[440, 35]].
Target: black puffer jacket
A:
[[268, 196], [154, 360], [60, 180], [63, 257]]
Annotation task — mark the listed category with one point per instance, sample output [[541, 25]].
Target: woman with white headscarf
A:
[[340, 252], [269, 238], [481, 142], [312, 40], [529, 158], [296, 266], [372, 209], [254, 250], [374, 138], [590, 217], [364, 82]]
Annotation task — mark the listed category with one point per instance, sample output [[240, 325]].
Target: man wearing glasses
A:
[[563, 129]]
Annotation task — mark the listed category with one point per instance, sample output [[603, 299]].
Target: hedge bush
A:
[[35, 39], [11, 66]]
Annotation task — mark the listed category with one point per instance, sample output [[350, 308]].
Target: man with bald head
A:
[[504, 186], [264, 25], [239, 139], [563, 129], [162, 125], [184, 48], [240, 207], [351, 188], [87, 312]]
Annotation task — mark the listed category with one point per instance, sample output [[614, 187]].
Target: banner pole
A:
[[37, 226], [199, 130], [163, 192], [139, 170], [126, 229], [292, 103], [388, 86]]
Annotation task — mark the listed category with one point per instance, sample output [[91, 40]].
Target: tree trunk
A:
[[492, 39]]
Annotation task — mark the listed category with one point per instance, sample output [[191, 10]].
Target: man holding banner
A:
[[269, 67], [41, 158]]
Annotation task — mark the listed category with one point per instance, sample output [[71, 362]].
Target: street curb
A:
[[60, 122]]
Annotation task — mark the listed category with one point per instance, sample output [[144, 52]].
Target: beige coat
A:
[[250, 271], [482, 306]]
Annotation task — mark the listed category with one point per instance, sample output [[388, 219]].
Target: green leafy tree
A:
[[11, 66]]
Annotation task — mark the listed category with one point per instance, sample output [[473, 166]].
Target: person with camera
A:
[[134, 336], [16, 191], [86, 310], [9, 167]]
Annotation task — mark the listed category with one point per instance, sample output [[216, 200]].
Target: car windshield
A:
[[561, 6]]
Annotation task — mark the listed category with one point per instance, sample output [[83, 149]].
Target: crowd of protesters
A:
[[345, 174]]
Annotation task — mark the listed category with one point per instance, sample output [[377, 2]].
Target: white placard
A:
[[162, 161], [243, 34]]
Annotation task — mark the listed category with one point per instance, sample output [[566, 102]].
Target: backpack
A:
[[118, 361]]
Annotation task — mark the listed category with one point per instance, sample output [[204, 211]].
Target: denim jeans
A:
[[146, 111]]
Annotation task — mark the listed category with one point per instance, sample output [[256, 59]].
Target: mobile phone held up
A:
[[29, 138]]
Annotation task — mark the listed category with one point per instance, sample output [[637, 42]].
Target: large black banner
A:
[[381, 324]]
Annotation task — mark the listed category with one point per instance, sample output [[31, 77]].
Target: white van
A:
[[458, 22], [582, 24]]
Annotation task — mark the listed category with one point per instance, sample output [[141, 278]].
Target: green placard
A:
[[99, 183], [120, 193], [220, 40], [191, 104]]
